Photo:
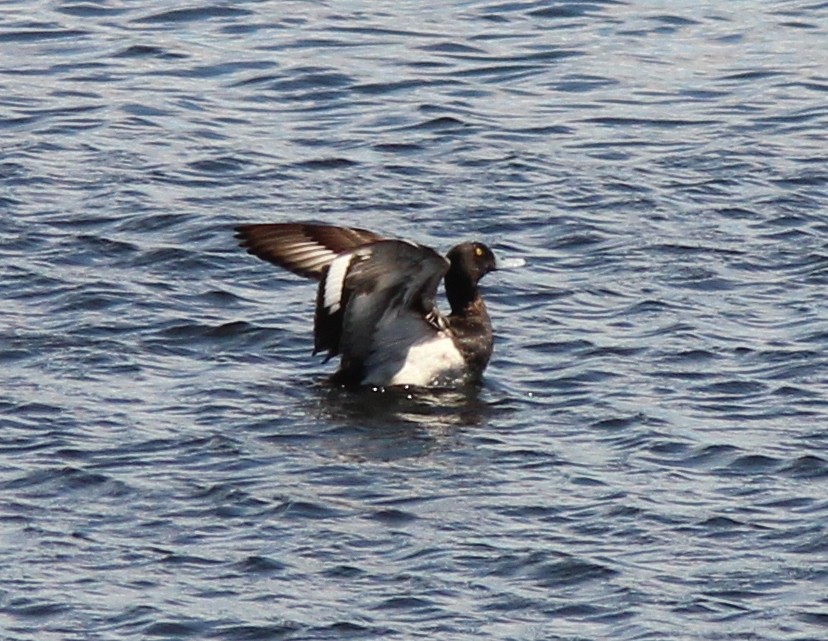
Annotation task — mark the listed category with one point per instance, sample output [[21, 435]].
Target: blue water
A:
[[648, 456]]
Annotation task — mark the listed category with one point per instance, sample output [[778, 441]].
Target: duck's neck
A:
[[460, 291], [469, 323]]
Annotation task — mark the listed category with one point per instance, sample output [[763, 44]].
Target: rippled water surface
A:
[[648, 456]]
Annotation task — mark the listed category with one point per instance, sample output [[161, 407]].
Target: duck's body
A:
[[376, 302]]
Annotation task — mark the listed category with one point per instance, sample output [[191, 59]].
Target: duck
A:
[[376, 302]]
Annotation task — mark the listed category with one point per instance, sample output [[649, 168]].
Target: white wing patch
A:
[[308, 255], [335, 280]]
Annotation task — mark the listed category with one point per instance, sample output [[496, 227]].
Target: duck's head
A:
[[471, 261]]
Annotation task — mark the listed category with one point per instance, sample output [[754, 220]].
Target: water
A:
[[648, 457]]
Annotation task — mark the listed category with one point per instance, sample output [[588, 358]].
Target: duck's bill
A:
[[510, 263]]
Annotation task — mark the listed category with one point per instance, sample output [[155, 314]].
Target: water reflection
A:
[[387, 424]]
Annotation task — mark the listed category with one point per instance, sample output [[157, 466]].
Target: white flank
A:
[[429, 361], [335, 280], [407, 351]]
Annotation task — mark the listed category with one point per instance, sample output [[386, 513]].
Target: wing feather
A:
[[373, 294], [386, 280], [306, 249]]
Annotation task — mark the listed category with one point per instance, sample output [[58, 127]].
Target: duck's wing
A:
[[373, 285], [306, 249]]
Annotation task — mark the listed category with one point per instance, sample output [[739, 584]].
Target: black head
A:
[[469, 263], [472, 261]]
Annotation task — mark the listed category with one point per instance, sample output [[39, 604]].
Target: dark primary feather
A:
[[306, 249]]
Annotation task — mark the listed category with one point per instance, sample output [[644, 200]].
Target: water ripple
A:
[[646, 458]]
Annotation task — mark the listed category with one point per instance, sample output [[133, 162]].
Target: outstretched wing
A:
[[306, 249], [378, 282]]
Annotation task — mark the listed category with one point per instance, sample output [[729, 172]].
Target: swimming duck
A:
[[376, 302]]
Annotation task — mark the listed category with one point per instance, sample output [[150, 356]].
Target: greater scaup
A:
[[376, 302]]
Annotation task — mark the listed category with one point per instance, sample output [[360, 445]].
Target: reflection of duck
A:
[[429, 408], [392, 423], [376, 302]]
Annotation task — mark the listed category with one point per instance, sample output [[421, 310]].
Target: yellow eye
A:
[[478, 251]]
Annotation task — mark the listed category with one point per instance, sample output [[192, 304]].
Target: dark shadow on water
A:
[[389, 424], [418, 407]]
